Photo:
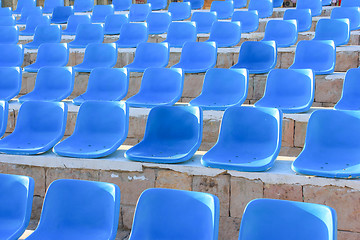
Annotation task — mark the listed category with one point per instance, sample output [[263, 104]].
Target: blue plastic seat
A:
[[62, 14], [39, 126], [180, 33], [326, 2], [76, 209], [11, 55], [279, 219], [121, 5], [10, 82], [74, 21], [179, 10], [320, 56], [4, 111], [204, 21], [158, 22], [100, 13], [51, 55], [105, 84], [49, 5], [197, 57], [239, 3], [222, 88], [45, 34], [279, 3], [101, 127], [149, 55], [9, 35], [98, 55], [331, 145], [225, 34], [83, 5], [264, 7], [195, 4], [32, 22], [87, 33], [314, 5], [157, 4], [5, 11], [132, 34], [337, 30], [52, 84], [350, 98], [175, 214], [7, 21], [224, 9], [290, 90], [283, 32], [350, 3], [159, 86], [257, 57], [249, 20], [27, 12], [249, 140], [352, 13], [114, 22], [24, 4], [302, 16], [139, 12], [172, 135], [16, 200]]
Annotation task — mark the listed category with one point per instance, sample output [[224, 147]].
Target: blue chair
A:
[[52, 84], [27, 12], [10, 82], [264, 7], [172, 135], [15, 205], [180, 33], [179, 10], [149, 55], [132, 34], [352, 13], [331, 145], [139, 12], [32, 22], [157, 4], [87, 33], [39, 126], [45, 34], [326, 2], [5, 11], [159, 87], [222, 88], [105, 84], [223, 9], [4, 111], [279, 3], [50, 55], [7, 21], [204, 21], [101, 127], [79, 209], [158, 22], [11, 55], [83, 5], [197, 57], [49, 5], [225, 34], [249, 140], [290, 90], [279, 219], [74, 21], [62, 14], [175, 214], [350, 98], [320, 56], [283, 32], [239, 3], [9, 35], [195, 4], [114, 22], [98, 55], [121, 5], [350, 3], [302, 16], [22, 4], [249, 20], [314, 5], [100, 13], [337, 30], [257, 57]]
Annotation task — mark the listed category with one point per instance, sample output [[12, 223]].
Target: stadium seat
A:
[[157, 4], [320, 56], [283, 32], [51, 55], [239, 3], [9, 35], [195, 4], [350, 3], [257, 57], [290, 90], [172, 135], [249, 20], [179, 10], [337, 30], [105, 84], [139, 12], [350, 98], [62, 14], [225, 34], [11, 55], [264, 7], [121, 5], [87, 33], [114, 22], [181, 32], [16, 200], [326, 2], [49, 5], [158, 22], [132, 34], [100, 12], [7, 21], [223, 9], [314, 5], [280, 219], [302, 16], [197, 57], [83, 5], [352, 13], [45, 34], [249, 140], [78, 209], [175, 214], [149, 55], [39, 126], [27, 12], [279, 3], [159, 87], [32, 22], [222, 88], [10, 82], [5, 11], [204, 21], [24, 4], [98, 55], [74, 21], [52, 84], [101, 127]]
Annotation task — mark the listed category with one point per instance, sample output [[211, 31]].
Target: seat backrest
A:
[[134, 32], [225, 34], [89, 33], [53, 53], [239, 3], [181, 32], [100, 12], [7, 21], [47, 34], [352, 13], [350, 93], [224, 9], [350, 3], [337, 30], [254, 52], [74, 21], [199, 52], [157, 4], [29, 11], [204, 21], [11, 55], [196, 4], [62, 13], [83, 5], [152, 52], [278, 3], [264, 7], [314, 5], [101, 52], [49, 5], [249, 20], [9, 35], [302, 16], [326, 2], [24, 4], [5, 11], [139, 12], [121, 5], [179, 10], [158, 22], [114, 22], [283, 32], [33, 21], [10, 82]]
